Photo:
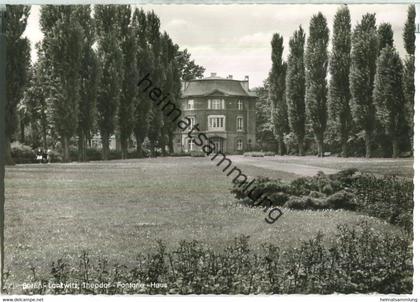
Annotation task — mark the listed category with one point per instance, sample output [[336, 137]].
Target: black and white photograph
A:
[[207, 150]]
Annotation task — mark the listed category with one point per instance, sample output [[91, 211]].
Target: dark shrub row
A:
[[388, 197], [23, 154], [358, 260]]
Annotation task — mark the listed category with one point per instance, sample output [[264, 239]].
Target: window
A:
[[240, 123], [239, 145], [240, 105], [216, 104], [190, 104], [190, 144], [216, 122], [192, 121]]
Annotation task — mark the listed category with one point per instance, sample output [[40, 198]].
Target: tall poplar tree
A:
[[409, 69], [129, 80], [89, 73], [17, 68], [362, 75], [111, 66], [277, 92], [388, 93], [410, 30], [339, 97], [142, 105], [63, 36], [316, 60], [189, 70], [385, 36], [153, 37], [295, 87], [36, 102], [171, 86]]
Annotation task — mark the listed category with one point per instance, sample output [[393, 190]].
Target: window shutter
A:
[[209, 104], [223, 103]]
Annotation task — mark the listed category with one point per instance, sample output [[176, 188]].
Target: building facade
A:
[[224, 109]]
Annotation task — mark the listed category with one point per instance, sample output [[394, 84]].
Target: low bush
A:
[[22, 154], [389, 197], [269, 153], [279, 198], [253, 154], [341, 200], [197, 154], [357, 260], [262, 186], [180, 154]]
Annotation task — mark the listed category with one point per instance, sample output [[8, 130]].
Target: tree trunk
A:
[[163, 149], [85, 146], [117, 141], [66, 153], [300, 146], [44, 138], [152, 149], [368, 144], [320, 143], [163, 141], [320, 149], [124, 147], [105, 146], [22, 131], [139, 142], [280, 146], [344, 152], [171, 143], [395, 151], [344, 129], [81, 145], [8, 153]]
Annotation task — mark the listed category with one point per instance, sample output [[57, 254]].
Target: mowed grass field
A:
[[118, 209]]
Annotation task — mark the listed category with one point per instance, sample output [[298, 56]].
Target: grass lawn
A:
[[120, 208]]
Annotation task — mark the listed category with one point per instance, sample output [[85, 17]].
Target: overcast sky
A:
[[235, 39]]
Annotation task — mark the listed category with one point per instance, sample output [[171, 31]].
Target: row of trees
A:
[[85, 79], [370, 91]]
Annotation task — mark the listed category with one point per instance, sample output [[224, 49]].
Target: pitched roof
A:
[[217, 86]]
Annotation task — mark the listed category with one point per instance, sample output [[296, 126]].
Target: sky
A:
[[235, 39]]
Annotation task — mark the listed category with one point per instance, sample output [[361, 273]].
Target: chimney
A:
[[245, 83], [230, 77], [213, 74]]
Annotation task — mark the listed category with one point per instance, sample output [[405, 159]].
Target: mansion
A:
[[224, 110]]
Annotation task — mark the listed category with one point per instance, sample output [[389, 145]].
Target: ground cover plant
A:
[[359, 260]]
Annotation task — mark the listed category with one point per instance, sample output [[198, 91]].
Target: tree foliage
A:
[[410, 30], [142, 105], [188, 68], [89, 80], [388, 93], [362, 74], [129, 78], [17, 67], [295, 86], [385, 36], [409, 69], [154, 39], [63, 46], [339, 97], [277, 92], [111, 66], [316, 60]]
